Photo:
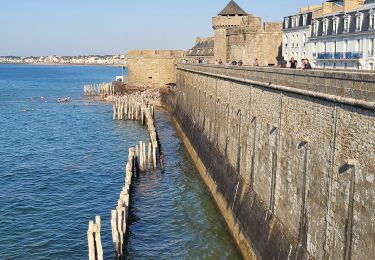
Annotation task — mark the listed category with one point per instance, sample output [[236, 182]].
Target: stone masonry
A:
[[153, 68], [288, 156]]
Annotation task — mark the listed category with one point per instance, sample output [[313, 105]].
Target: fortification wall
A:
[[291, 166], [153, 68], [245, 45]]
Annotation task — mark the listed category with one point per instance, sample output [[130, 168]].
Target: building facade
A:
[[339, 35], [203, 48]]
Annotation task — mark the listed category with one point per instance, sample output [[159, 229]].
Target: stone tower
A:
[[231, 16]]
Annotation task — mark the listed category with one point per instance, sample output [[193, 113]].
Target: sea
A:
[[62, 164]]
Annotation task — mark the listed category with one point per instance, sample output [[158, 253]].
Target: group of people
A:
[[195, 61], [282, 63], [305, 64]]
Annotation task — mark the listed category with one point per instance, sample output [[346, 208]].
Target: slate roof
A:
[[202, 48], [232, 9]]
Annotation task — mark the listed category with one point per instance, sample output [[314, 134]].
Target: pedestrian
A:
[[282, 62], [256, 62], [293, 63], [240, 63], [220, 62], [307, 65]]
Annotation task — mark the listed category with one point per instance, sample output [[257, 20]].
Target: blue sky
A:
[[74, 27]]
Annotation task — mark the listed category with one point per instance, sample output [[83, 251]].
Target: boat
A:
[[63, 100]]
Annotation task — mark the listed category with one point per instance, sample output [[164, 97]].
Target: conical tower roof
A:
[[232, 9]]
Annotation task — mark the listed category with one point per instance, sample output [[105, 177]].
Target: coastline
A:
[[65, 64]]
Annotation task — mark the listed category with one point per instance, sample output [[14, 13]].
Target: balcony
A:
[[340, 55]]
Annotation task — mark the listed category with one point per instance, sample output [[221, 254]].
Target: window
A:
[[346, 23], [334, 47], [286, 40], [324, 46], [334, 65], [325, 26], [371, 47], [372, 19], [303, 55], [292, 40], [304, 21], [358, 45], [316, 28], [371, 66], [358, 66], [286, 22], [359, 19], [296, 22], [304, 39], [335, 24], [314, 49], [345, 46], [297, 40]]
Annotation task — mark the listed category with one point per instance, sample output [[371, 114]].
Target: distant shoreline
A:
[[64, 64]]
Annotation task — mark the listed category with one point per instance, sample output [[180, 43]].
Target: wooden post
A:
[[98, 241], [91, 242], [149, 155], [115, 236], [154, 154]]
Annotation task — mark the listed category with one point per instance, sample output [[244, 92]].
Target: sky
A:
[[82, 27]]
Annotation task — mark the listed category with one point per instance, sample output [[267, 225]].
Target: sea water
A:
[[61, 164]]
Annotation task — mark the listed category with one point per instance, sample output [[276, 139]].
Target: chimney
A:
[[352, 4]]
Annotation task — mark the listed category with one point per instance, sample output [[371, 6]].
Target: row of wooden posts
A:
[[135, 107], [102, 89], [120, 215]]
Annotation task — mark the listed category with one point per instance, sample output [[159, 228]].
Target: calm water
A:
[[62, 164]]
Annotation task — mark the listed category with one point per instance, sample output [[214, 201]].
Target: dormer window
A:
[[304, 19], [372, 19], [335, 24], [359, 19], [346, 23], [325, 26], [296, 20], [316, 28], [286, 22]]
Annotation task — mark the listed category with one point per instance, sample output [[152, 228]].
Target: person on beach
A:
[[293, 63]]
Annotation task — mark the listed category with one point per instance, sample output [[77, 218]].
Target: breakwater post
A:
[[102, 89], [120, 214], [137, 107], [94, 240]]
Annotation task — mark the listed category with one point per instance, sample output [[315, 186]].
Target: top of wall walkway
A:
[[353, 88]]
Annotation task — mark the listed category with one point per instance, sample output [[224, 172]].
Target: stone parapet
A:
[[354, 85]]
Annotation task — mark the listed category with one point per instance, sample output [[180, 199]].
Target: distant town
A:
[[117, 60]]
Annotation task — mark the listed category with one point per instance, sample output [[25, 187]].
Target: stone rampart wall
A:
[[288, 156]]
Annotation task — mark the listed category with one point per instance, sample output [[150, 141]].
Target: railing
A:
[[340, 55]]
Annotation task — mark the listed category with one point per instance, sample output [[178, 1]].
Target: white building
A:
[[296, 34], [340, 35]]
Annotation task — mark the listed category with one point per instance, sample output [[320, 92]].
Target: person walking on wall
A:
[[293, 63], [282, 62], [307, 65], [256, 63]]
